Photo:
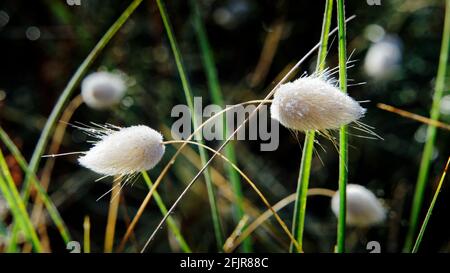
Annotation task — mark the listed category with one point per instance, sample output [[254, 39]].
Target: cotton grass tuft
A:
[[363, 207], [101, 90], [314, 103], [123, 151]]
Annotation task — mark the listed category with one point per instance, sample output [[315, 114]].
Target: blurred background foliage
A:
[[43, 42]]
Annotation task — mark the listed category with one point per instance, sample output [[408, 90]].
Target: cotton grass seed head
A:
[[123, 151], [313, 103], [363, 208], [101, 90], [383, 58]]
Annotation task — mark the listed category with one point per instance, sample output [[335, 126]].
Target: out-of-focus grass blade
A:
[[170, 221], [42, 194], [87, 234], [65, 96]]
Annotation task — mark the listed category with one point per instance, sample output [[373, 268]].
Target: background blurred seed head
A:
[[101, 90], [125, 151], [363, 207]]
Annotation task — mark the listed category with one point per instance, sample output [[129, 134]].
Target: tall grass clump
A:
[[189, 100], [217, 98], [440, 87], [298, 222]]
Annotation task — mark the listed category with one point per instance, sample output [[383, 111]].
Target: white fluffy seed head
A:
[[312, 103], [101, 90], [363, 208], [125, 151], [383, 58]]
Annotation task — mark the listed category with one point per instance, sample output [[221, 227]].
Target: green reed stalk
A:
[[298, 223], [170, 221], [189, 99], [425, 162], [343, 141], [217, 98]]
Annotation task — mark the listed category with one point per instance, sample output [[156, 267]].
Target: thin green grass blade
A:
[[343, 141], [189, 99], [298, 223], [430, 209], [42, 194], [217, 98], [170, 221], [440, 88], [15, 202]]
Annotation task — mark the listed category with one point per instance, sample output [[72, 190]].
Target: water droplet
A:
[[33, 33]]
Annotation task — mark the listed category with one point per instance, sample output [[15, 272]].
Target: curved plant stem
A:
[[430, 209], [427, 154], [217, 98], [189, 99], [162, 207], [170, 222], [87, 234], [413, 116], [298, 222], [223, 185], [251, 115], [343, 155]]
